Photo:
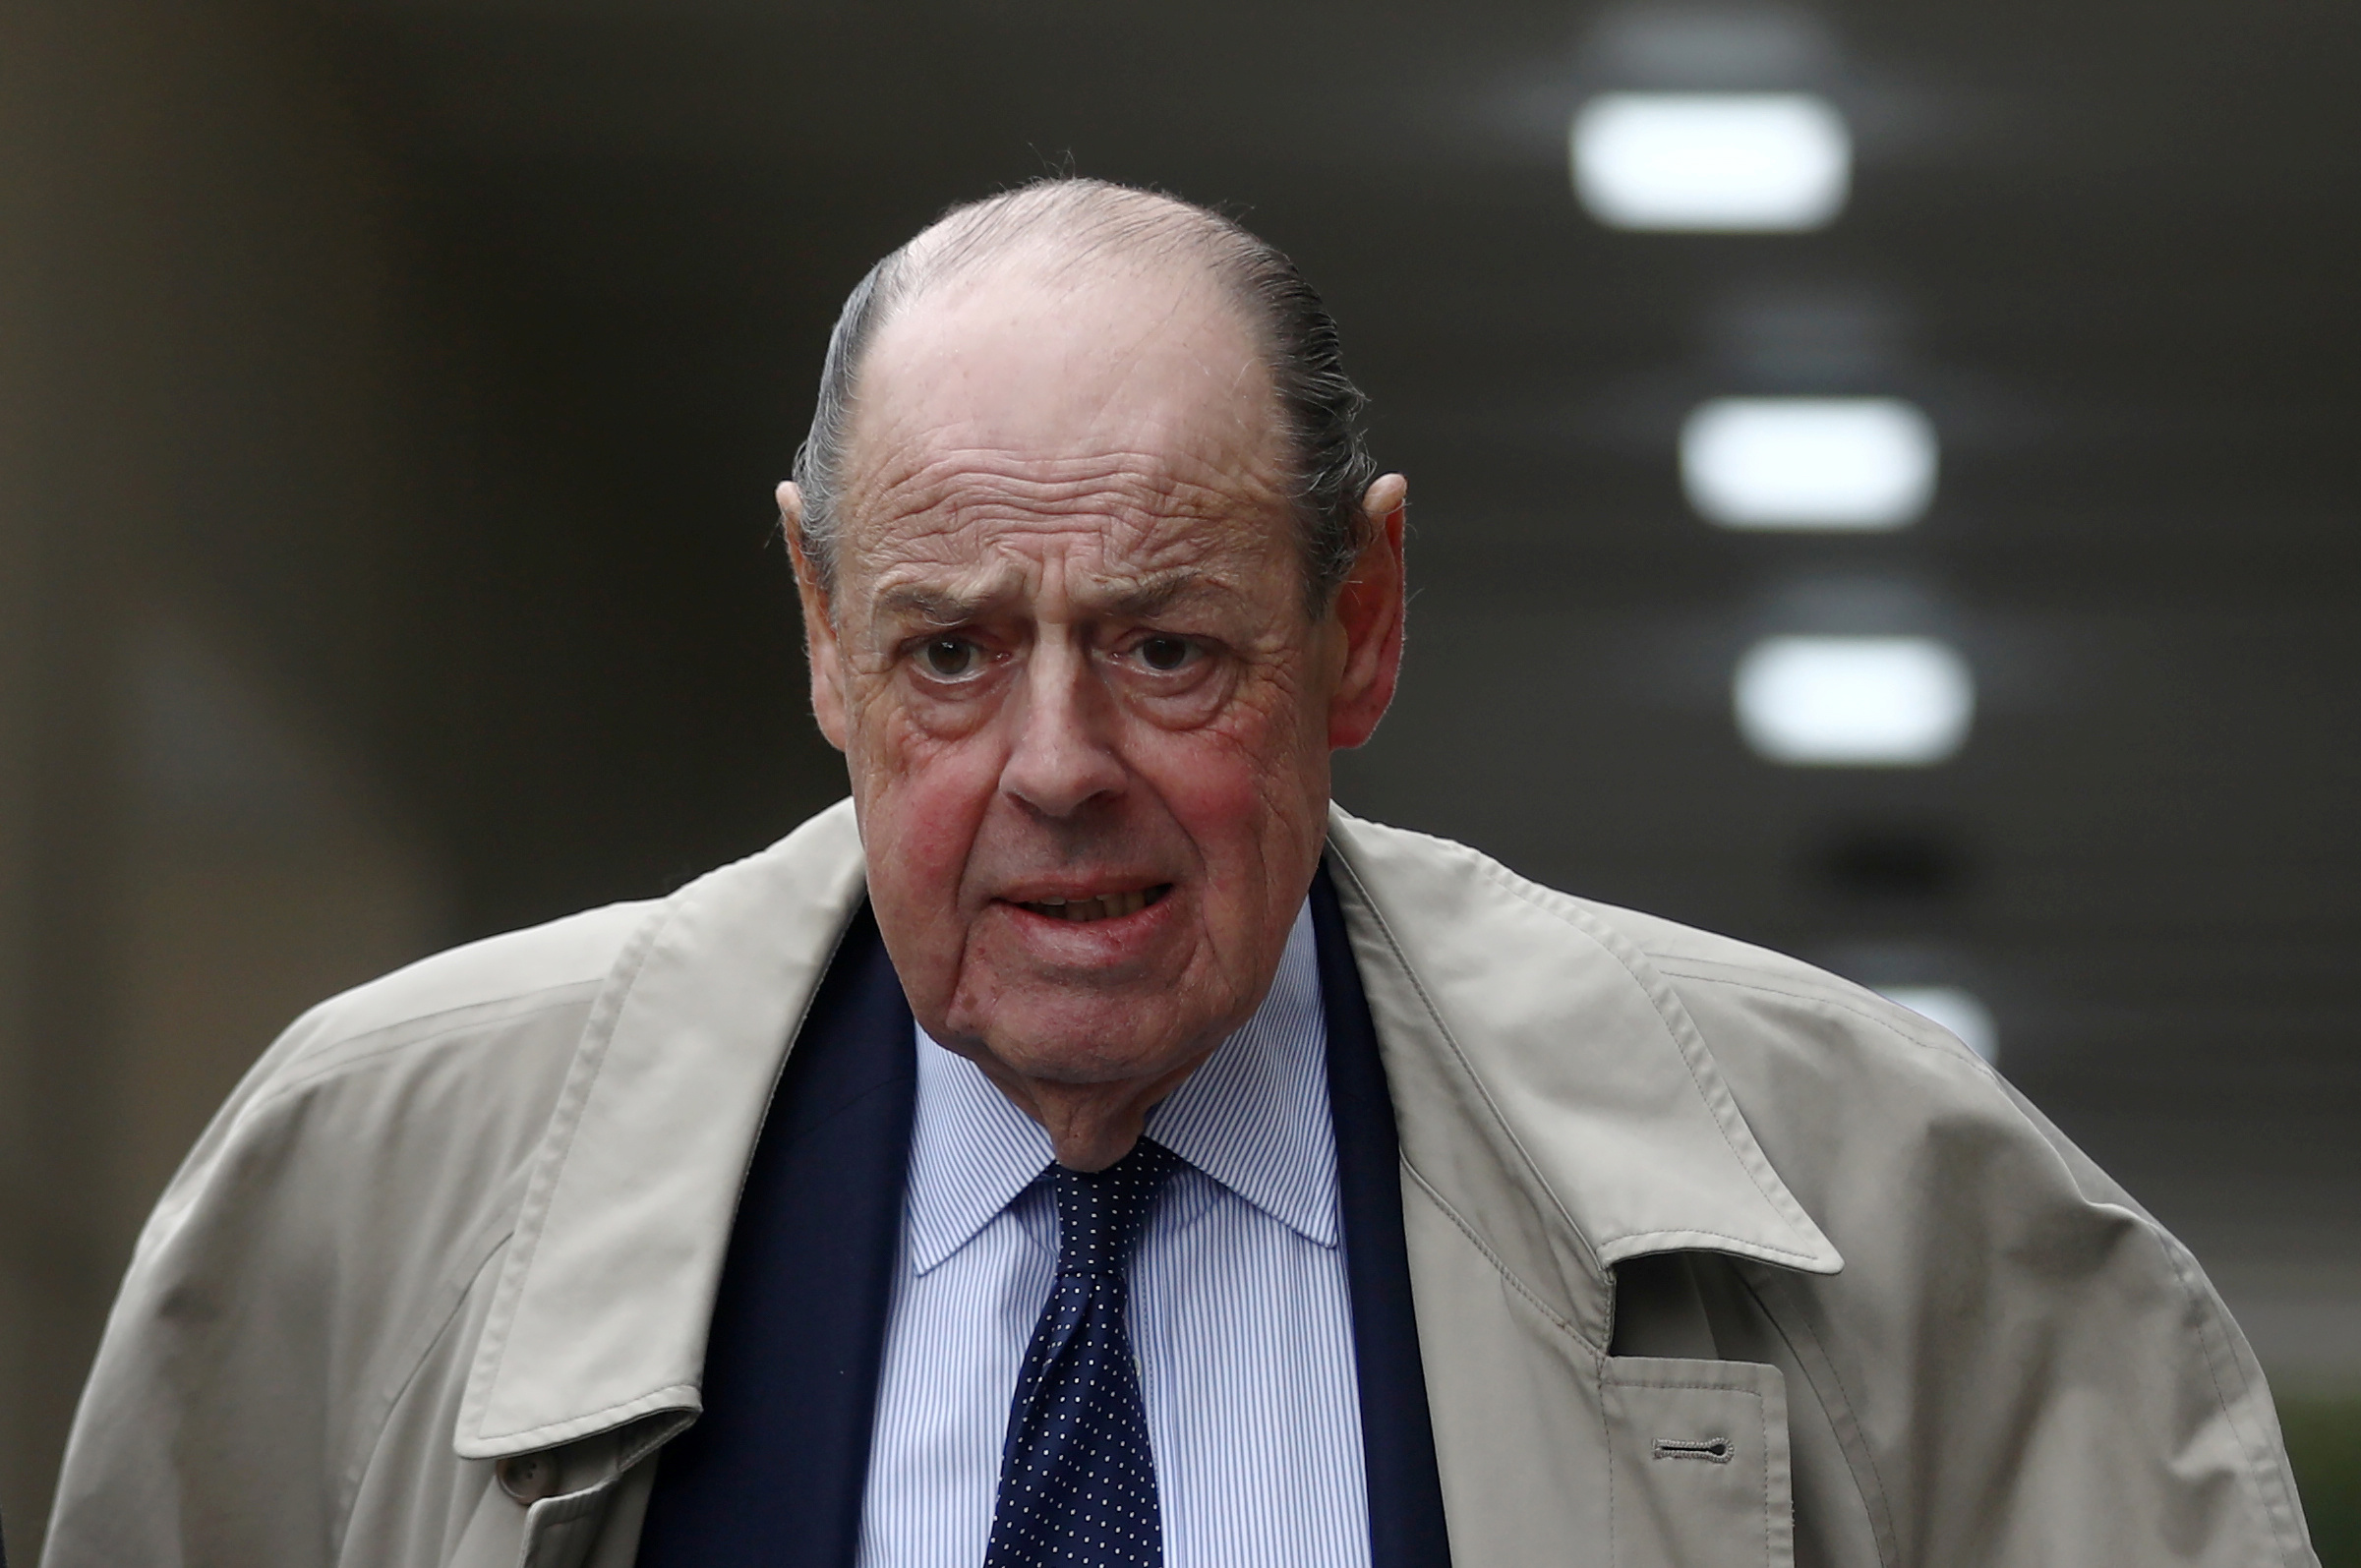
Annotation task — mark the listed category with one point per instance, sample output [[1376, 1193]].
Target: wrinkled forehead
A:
[[1129, 404], [1100, 562]]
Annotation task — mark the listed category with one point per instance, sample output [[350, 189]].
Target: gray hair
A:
[[1077, 218]]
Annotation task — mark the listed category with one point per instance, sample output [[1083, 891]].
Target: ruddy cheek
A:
[[920, 804], [914, 858], [1218, 779], [934, 812]]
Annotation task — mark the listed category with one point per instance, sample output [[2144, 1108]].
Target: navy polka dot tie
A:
[[1076, 1482]]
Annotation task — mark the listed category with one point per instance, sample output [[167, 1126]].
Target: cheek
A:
[[1249, 789], [922, 801]]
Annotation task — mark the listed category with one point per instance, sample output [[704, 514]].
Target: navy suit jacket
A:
[[773, 1473]]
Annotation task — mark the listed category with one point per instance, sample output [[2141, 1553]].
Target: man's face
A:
[[1087, 717]]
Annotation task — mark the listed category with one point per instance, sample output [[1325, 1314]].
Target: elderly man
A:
[[1087, 1147]]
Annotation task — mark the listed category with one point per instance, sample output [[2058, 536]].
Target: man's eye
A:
[[950, 657], [1164, 654]]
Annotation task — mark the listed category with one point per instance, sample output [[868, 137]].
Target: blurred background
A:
[[1883, 479]]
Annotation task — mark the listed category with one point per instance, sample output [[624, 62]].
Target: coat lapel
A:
[[600, 1317], [773, 1473]]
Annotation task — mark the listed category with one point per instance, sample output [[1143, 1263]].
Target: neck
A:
[[1091, 1125]]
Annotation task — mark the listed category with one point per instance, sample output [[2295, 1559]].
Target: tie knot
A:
[[1100, 1212]]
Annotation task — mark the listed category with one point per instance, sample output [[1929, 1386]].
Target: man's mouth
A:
[[1098, 907]]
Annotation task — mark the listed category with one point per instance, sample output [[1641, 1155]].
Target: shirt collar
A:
[[1254, 1118], [970, 1153]]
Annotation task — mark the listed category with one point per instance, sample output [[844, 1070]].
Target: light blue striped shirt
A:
[[1240, 1313]]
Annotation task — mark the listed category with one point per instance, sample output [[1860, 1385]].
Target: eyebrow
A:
[[1148, 597], [1155, 593], [937, 606]]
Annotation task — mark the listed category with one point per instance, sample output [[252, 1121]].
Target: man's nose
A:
[[1062, 756]]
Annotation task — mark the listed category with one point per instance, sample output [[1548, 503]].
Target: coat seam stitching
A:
[[1762, 1429], [1881, 1521], [1752, 1245], [1508, 1275], [2197, 1299], [647, 1403], [1842, 1006], [1509, 882], [530, 1247], [289, 1085], [1607, 1442], [491, 1250]]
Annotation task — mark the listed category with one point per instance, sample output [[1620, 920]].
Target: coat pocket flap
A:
[[1697, 1463]]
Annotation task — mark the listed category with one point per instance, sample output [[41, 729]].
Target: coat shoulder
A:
[[516, 971], [1703, 966], [380, 1095], [1444, 875], [1838, 1084]]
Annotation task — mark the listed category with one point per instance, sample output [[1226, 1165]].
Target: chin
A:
[[1061, 1038]]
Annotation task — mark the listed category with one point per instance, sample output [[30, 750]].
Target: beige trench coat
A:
[[434, 1286]]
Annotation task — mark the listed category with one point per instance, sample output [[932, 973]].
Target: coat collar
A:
[[1551, 1093], [600, 1317]]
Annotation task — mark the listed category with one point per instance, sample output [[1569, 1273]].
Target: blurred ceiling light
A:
[[1956, 1010], [1733, 162], [1893, 702], [1809, 462]]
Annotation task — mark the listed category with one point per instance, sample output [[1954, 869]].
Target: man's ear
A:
[[821, 651], [1370, 607]]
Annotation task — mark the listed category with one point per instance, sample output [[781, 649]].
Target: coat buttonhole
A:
[[1713, 1450]]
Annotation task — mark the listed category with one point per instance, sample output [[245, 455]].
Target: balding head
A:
[[1087, 616], [1069, 233]]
